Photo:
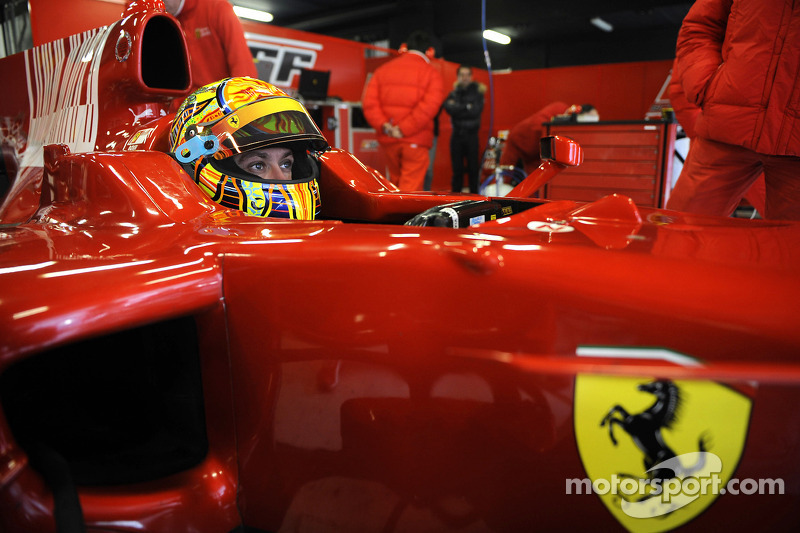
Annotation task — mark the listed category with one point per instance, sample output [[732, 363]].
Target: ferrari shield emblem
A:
[[658, 452]]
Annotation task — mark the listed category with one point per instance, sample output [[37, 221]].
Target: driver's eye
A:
[[270, 163]]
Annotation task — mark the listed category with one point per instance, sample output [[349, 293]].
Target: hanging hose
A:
[[488, 61]]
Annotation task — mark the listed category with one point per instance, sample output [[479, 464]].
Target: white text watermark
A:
[[671, 485]]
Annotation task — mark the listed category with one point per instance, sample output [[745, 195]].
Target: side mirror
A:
[[557, 153], [561, 150]]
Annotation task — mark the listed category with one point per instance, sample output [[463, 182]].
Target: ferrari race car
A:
[[404, 362]]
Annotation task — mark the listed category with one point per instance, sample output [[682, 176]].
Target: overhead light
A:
[[252, 14], [491, 35], [602, 24]]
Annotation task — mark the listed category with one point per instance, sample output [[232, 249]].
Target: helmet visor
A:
[[264, 123]]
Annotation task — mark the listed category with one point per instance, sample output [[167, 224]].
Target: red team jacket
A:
[[407, 91], [748, 87]]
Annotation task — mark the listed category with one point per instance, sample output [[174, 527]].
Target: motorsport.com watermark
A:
[[677, 490], [690, 486]]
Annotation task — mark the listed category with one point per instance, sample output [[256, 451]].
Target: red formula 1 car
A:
[[405, 362]]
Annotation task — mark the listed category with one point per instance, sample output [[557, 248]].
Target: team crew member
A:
[[400, 102], [687, 114], [739, 61]]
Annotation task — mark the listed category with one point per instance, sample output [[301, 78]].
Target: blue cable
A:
[[491, 79]]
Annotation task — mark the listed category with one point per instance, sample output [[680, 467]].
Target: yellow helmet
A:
[[236, 115]]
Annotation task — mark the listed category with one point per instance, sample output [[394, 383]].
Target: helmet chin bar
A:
[[196, 147]]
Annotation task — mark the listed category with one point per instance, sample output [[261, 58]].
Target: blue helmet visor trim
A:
[[196, 147]]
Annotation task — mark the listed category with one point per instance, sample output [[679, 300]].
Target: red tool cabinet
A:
[[631, 158]]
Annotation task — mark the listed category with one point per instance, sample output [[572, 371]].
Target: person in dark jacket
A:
[[464, 104]]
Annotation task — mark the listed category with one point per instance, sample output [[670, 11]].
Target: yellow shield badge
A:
[[658, 452]]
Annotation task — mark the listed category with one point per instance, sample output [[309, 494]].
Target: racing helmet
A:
[[236, 115]]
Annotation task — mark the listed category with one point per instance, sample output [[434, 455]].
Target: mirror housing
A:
[[562, 150], [556, 153]]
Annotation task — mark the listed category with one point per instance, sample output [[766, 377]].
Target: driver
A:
[[251, 147]]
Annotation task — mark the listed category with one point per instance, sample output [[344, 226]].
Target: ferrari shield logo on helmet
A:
[[658, 452]]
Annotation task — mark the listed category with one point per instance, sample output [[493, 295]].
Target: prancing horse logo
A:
[[645, 428], [641, 432]]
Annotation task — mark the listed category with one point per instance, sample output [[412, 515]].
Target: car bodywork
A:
[[170, 365]]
